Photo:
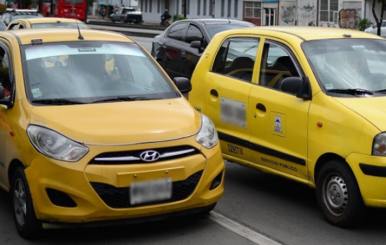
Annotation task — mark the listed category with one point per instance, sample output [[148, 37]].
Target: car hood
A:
[[121, 122], [371, 108]]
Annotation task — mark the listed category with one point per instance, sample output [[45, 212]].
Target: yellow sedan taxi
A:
[[45, 22], [304, 103], [81, 146]]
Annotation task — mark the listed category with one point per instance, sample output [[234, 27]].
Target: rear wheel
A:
[[23, 211], [338, 194]]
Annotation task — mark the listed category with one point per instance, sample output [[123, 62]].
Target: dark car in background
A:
[[180, 46], [127, 15]]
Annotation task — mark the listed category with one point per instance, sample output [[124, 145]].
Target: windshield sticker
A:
[[233, 112], [36, 93], [86, 49], [44, 51], [329, 86]]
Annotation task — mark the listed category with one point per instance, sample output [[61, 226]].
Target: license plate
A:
[[150, 191]]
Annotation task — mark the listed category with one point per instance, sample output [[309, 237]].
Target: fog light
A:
[[217, 181], [60, 199]]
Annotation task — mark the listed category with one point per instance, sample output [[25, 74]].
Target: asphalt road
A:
[[255, 206]]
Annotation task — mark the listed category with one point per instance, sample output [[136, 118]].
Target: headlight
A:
[[207, 136], [55, 145], [379, 145]]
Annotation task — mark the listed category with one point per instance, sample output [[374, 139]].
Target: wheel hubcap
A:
[[335, 194], [19, 202]]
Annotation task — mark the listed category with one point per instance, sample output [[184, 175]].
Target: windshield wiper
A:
[[353, 91], [124, 98], [57, 102], [380, 91]]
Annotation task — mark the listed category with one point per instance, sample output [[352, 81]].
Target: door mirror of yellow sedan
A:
[[183, 84], [297, 86]]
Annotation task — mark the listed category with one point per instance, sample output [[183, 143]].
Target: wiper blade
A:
[[57, 102], [380, 91], [353, 91], [123, 98]]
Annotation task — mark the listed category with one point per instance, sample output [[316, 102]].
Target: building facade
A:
[[328, 13]]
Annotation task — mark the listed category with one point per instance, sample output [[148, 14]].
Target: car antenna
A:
[[80, 37]]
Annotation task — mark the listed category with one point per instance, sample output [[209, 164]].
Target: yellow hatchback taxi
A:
[[81, 146], [304, 103]]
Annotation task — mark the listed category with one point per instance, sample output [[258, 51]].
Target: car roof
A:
[[303, 33], [218, 21], [25, 36], [51, 20]]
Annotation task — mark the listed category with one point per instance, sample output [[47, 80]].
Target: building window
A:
[[142, 4], [253, 10], [187, 6], [158, 6], [198, 7], [327, 9], [222, 8], [145, 5], [204, 9], [229, 8], [150, 6], [236, 7], [177, 6]]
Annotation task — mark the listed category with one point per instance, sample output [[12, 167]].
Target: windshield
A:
[[59, 25], [343, 64], [88, 72], [214, 29]]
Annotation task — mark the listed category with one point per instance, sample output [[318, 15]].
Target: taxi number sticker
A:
[[235, 149]]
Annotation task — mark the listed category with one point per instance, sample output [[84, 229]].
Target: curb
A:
[[137, 26]]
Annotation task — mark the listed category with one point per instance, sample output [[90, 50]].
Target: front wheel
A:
[[23, 211], [338, 194]]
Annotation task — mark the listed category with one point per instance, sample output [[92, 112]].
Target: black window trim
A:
[[183, 35], [198, 27]]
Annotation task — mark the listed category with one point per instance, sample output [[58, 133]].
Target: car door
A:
[[226, 93], [5, 114], [278, 120], [172, 60], [191, 55]]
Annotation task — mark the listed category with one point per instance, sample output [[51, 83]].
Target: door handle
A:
[[214, 92], [261, 107]]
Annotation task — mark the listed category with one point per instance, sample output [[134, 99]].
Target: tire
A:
[[27, 225], [338, 195]]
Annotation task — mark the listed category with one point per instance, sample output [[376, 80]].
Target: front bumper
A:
[[370, 172], [100, 191]]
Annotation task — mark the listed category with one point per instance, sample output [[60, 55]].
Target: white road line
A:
[[241, 230]]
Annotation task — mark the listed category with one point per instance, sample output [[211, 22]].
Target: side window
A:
[[177, 31], [4, 72], [236, 58], [22, 26], [193, 34], [14, 26], [276, 64]]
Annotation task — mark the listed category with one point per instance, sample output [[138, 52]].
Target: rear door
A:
[[226, 92], [172, 60]]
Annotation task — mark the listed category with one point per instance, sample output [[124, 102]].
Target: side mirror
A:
[[298, 86], [183, 84], [196, 44]]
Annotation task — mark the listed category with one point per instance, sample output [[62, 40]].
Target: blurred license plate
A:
[[149, 191]]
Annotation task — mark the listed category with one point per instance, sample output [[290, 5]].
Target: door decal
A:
[[233, 112], [278, 124]]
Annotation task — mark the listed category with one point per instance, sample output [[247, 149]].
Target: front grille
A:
[[120, 197], [133, 157]]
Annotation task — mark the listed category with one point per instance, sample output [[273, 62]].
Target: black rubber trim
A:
[[260, 148], [373, 170]]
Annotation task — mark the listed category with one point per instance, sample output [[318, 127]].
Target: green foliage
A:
[[177, 17], [364, 23]]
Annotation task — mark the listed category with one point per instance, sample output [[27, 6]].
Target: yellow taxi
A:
[[45, 22], [304, 103], [81, 146]]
